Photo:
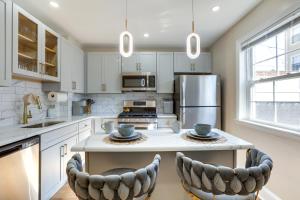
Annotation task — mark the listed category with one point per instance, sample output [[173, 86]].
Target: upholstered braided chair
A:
[[207, 182], [116, 184]]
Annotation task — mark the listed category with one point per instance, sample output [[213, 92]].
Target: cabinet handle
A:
[[74, 85], [137, 66], [62, 151], [103, 87], [65, 149]]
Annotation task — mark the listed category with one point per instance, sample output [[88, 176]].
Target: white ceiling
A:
[[98, 23]]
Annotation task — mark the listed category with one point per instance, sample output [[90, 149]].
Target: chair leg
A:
[[256, 197]]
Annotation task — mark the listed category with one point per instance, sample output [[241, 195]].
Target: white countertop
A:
[[10, 134], [14, 133], [162, 116], [160, 140]]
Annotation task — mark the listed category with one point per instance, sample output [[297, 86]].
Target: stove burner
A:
[[138, 115]]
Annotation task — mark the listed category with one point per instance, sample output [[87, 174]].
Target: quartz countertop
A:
[[10, 134], [160, 140], [162, 116]]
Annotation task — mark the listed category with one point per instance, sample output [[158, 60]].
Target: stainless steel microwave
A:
[[138, 81]]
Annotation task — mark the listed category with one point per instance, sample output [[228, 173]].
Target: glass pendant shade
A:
[[189, 51], [129, 51]]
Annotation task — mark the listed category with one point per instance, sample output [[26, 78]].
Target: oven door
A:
[[134, 82]]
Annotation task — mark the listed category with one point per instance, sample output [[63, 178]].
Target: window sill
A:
[[281, 132]]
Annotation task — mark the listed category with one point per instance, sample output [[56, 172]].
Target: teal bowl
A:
[[202, 129], [126, 130]]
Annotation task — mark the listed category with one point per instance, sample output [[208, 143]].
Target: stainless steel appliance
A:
[[138, 81], [198, 100], [142, 114], [20, 170]]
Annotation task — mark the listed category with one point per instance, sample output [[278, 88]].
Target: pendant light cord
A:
[[193, 16], [126, 16]]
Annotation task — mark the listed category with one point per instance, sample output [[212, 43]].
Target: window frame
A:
[[244, 85]]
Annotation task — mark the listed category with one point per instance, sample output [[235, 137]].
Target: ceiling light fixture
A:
[[125, 35], [215, 8], [146, 35], [54, 4], [189, 51]]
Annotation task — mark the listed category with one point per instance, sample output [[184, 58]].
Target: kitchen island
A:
[[102, 155]]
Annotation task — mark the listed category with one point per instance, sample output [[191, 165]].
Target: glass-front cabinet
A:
[[35, 48], [50, 55]]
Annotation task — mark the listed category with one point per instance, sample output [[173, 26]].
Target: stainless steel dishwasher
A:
[[19, 170]]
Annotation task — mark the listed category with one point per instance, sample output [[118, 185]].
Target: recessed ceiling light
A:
[[146, 35], [54, 4], [215, 8]]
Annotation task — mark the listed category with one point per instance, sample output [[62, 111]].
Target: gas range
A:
[[142, 114]]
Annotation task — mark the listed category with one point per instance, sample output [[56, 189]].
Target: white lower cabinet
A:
[[51, 170], [56, 152]]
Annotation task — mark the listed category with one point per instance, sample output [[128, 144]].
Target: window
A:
[[272, 71], [295, 34]]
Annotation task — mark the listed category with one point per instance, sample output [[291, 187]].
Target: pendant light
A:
[[123, 35], [190, 54]]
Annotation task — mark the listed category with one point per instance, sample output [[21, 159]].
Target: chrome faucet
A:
[[27, 100]]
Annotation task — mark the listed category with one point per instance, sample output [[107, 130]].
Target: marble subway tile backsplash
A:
[[11, 102], [113, 103]]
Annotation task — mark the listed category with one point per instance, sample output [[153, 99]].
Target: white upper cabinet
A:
[[5, 42], [71, 62], [50, 55], [35, 48], [165, 72], [140, 62], [202, 64], [103, 72], [94, 76], [111, 73], [147, 61], [77, 70]]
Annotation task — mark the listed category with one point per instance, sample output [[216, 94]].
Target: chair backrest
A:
[[224, 180], [112, 187]]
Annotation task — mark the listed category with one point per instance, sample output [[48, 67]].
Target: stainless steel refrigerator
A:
[[198, 100]]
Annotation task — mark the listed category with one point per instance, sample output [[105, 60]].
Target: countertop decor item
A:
[[125, 139], [88, 107], [202, 129], [176, 126], [112, 140], [208, 137], [126, 130], [219, 140], [108, 127]]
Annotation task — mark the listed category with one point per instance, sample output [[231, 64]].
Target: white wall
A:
[[285, 178]]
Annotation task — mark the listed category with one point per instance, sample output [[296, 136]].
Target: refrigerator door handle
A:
[[183, 115], [182, 97]]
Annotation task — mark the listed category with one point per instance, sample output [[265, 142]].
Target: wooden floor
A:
[[65, 193]]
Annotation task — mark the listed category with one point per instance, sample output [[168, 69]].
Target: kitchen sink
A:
[[44, 124]]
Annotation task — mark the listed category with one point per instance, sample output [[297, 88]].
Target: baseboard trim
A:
[[266, 194]]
